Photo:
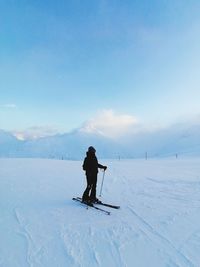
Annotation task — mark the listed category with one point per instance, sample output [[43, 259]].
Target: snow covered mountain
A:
[[10, 146], [68, 146], [178, 139]]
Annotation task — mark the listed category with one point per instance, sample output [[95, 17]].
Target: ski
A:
[[104, 204], [108, 205], [91, 205]]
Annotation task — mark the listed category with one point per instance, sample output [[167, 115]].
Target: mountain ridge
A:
[[177, 139]]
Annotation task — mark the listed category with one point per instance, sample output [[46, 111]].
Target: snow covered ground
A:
[[158, 224]]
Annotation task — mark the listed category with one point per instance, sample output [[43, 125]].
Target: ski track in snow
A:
[[155, 205], [33, 253], [176, 257], [164, 244], [102, 246]]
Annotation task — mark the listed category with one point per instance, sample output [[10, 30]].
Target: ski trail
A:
[[95, 253], [114, 236], [191, 246], [32, 254], [93, 246], [71, 244], [163, 243], [24, 234]]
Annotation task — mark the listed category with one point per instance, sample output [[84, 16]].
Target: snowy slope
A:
[[157, 225]]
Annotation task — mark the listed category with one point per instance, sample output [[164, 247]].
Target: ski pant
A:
[[90, 191]]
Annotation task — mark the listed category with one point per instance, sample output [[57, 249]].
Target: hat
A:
[[91, 149]]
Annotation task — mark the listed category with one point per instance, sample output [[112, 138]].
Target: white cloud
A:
[[35, 132], [110, 124], [8, 106]]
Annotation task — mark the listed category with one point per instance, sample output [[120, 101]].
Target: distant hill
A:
[[10, 146], [179, 139]]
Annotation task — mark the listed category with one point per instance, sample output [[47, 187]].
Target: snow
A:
[[157, 224], [180, 139]]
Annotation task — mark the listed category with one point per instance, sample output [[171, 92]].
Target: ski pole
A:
[[102, 183]]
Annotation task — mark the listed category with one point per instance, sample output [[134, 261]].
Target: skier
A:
[[90, 166]]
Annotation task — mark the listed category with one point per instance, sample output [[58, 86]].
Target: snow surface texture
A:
[[157, 225]]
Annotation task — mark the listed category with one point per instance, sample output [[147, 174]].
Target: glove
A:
[[105, 167]]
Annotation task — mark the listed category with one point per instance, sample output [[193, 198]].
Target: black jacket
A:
[[91, 165]]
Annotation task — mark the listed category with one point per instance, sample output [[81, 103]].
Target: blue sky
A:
[[64, 62]]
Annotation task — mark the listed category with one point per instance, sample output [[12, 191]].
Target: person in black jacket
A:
[[90, 166]]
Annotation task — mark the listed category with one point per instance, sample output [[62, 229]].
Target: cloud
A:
[[8, 106], [110, 124], [35, 132]]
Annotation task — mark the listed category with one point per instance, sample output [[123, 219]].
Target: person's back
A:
[[90, 166]]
